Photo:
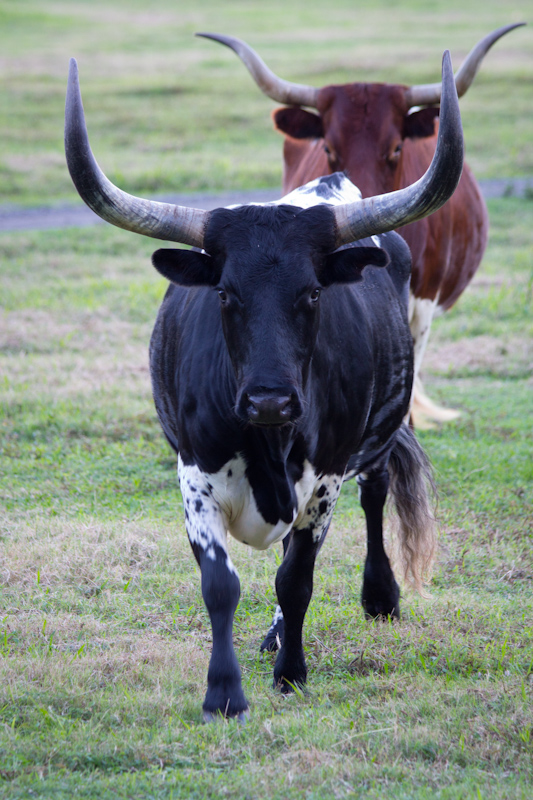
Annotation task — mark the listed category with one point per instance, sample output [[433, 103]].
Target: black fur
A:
[[259, 326]]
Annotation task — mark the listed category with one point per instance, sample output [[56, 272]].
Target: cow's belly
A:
[[216, 503]]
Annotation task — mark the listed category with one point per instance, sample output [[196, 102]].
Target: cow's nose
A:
[[268, 410]]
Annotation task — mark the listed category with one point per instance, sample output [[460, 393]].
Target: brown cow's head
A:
[[362, 128], [368, 130]]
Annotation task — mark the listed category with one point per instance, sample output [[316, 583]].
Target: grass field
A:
[[104, 640], [170, 112]]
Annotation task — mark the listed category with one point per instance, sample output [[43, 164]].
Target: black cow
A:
[[279, 369]]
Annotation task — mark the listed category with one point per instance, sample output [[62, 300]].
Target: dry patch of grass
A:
[[482, 354]]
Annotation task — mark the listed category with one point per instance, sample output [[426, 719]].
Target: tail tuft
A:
[[413, 489]]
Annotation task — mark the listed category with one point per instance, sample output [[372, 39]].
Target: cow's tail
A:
[[413, 491]]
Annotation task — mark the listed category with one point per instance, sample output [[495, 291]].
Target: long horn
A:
[[292, 94], [429, 94], [148, 217], [386, 212]]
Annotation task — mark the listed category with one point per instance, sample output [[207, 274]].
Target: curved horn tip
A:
[[72, 67], [219, 37], [512, 26]]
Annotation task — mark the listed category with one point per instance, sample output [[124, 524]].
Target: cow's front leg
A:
[[381, 594], [274, 635], [206, 528], [294, 587], [221, 592], [294, 583]]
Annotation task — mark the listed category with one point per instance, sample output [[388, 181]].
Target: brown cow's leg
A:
[[381, 594]]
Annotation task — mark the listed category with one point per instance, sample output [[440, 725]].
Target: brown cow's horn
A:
[[386, 212], [429, 94], [148, 217], [292, 94]]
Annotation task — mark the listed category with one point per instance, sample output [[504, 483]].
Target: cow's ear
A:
[[346, 266], [186, 267], [298, 123], [420, 124]]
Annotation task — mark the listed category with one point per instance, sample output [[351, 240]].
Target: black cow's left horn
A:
[[148, 217], [386, 212]]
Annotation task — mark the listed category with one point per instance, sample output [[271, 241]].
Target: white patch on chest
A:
[[221, 502]]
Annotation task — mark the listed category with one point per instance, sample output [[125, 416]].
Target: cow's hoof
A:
[[288, 688], [271, 643], [382, 611], [381, 601], [217, 716], [295, 685]]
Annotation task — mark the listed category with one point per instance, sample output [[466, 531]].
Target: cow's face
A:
[[364, 127], [268, 267]]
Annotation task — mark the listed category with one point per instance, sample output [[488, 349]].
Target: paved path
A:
[[78, 215]]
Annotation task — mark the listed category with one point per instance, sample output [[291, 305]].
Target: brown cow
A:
[[379, 135]]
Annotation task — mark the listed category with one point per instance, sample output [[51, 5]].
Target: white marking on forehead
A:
[[333, 190]]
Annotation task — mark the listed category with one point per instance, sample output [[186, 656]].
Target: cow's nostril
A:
[[268, 410]]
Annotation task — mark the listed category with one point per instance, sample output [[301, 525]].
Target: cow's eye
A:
[[315, 294], [223, 296], [327, 151], [395, 154]]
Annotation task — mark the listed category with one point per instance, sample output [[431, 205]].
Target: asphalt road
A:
[[78, 215]]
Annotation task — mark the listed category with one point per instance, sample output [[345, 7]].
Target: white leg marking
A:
[[205, 521], [421, 313], [320, 507]]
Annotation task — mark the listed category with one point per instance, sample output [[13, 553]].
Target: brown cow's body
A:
[[380, 137]]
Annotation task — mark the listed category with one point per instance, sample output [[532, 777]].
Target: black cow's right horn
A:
[[150, 218]]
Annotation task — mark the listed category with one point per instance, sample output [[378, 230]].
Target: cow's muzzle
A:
[[269, 409]]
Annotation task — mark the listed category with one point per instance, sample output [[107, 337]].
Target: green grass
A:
[[169, 112], [104, 641]]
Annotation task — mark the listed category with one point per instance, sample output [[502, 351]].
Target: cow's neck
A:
[[275, 458]]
